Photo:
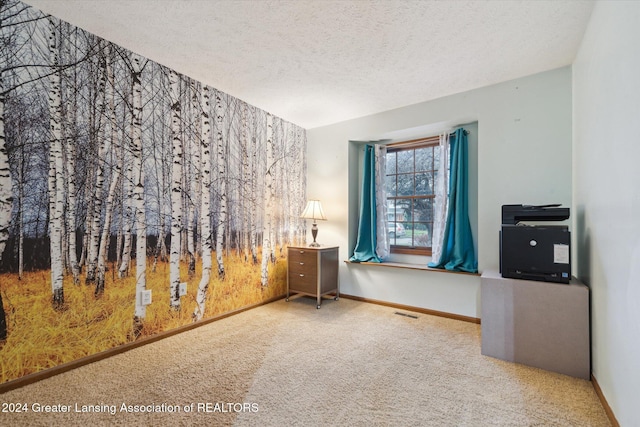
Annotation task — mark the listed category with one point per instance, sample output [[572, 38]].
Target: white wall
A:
[[606, 145], [524, 156]]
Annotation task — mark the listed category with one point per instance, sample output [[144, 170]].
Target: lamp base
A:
[[314, 233]]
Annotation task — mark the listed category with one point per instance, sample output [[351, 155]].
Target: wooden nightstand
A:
[[312, 272]]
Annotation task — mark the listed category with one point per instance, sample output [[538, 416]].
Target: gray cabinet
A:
[[539, 324], [312, 272]]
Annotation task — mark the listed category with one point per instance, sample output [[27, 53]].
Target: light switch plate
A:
[[146, 297]]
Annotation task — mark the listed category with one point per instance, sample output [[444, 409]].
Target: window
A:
[[411, 173]]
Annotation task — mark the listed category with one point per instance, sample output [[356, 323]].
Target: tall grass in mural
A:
[[105, 163], [42, 337]]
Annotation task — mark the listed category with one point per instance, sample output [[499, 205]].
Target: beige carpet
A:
[[289, 364]]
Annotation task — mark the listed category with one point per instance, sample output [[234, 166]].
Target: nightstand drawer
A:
[[303, 282], [302, 257], [304, 267]]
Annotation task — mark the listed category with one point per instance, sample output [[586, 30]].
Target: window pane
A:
[[405, 161], [391, 163], [424, 184], [391, 210], [391, 220], [403, 227], [391, 229], [405, 185], [432, 182], [390, 185], [424, 159], [423, 210], [436, 158], [403, 210], [422, 234]]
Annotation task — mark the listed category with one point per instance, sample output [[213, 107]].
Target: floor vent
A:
[[406, 315]]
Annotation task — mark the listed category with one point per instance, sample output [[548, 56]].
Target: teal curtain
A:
[[366, 243], [458, 253]]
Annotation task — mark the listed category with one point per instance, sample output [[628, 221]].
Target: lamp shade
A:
[[313, 210]]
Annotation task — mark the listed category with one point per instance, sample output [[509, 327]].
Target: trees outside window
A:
[[411, 172]]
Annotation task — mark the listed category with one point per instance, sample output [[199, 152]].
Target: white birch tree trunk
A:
[[70, 149], [176, 192], [301, 146], [138, 191], [195, 182], [222, 184], [128, 218], [93, 250], [56, 176], [291, 192], [20, 218], [205, 206], [160, 166], [246, 184], [268, 205], [88, 201], [71, 208], [5, 200], [120, 199], [115, 176], [279, 200], [253, 226], [161, 248], [119, 239]]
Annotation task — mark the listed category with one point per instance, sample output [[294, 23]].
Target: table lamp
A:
[[313, 211]]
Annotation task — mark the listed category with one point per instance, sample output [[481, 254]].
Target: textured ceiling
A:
[[317, 62]]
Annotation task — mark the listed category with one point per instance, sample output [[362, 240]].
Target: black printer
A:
[[535, 252]]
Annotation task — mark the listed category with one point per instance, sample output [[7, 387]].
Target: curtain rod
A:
[[432, 138]]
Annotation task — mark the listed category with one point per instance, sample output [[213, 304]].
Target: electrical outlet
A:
[[145, 296], [183, 289]]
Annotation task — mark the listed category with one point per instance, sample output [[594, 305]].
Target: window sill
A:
[[409, 266]]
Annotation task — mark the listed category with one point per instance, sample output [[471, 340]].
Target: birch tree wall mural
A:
[[123, 184]]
